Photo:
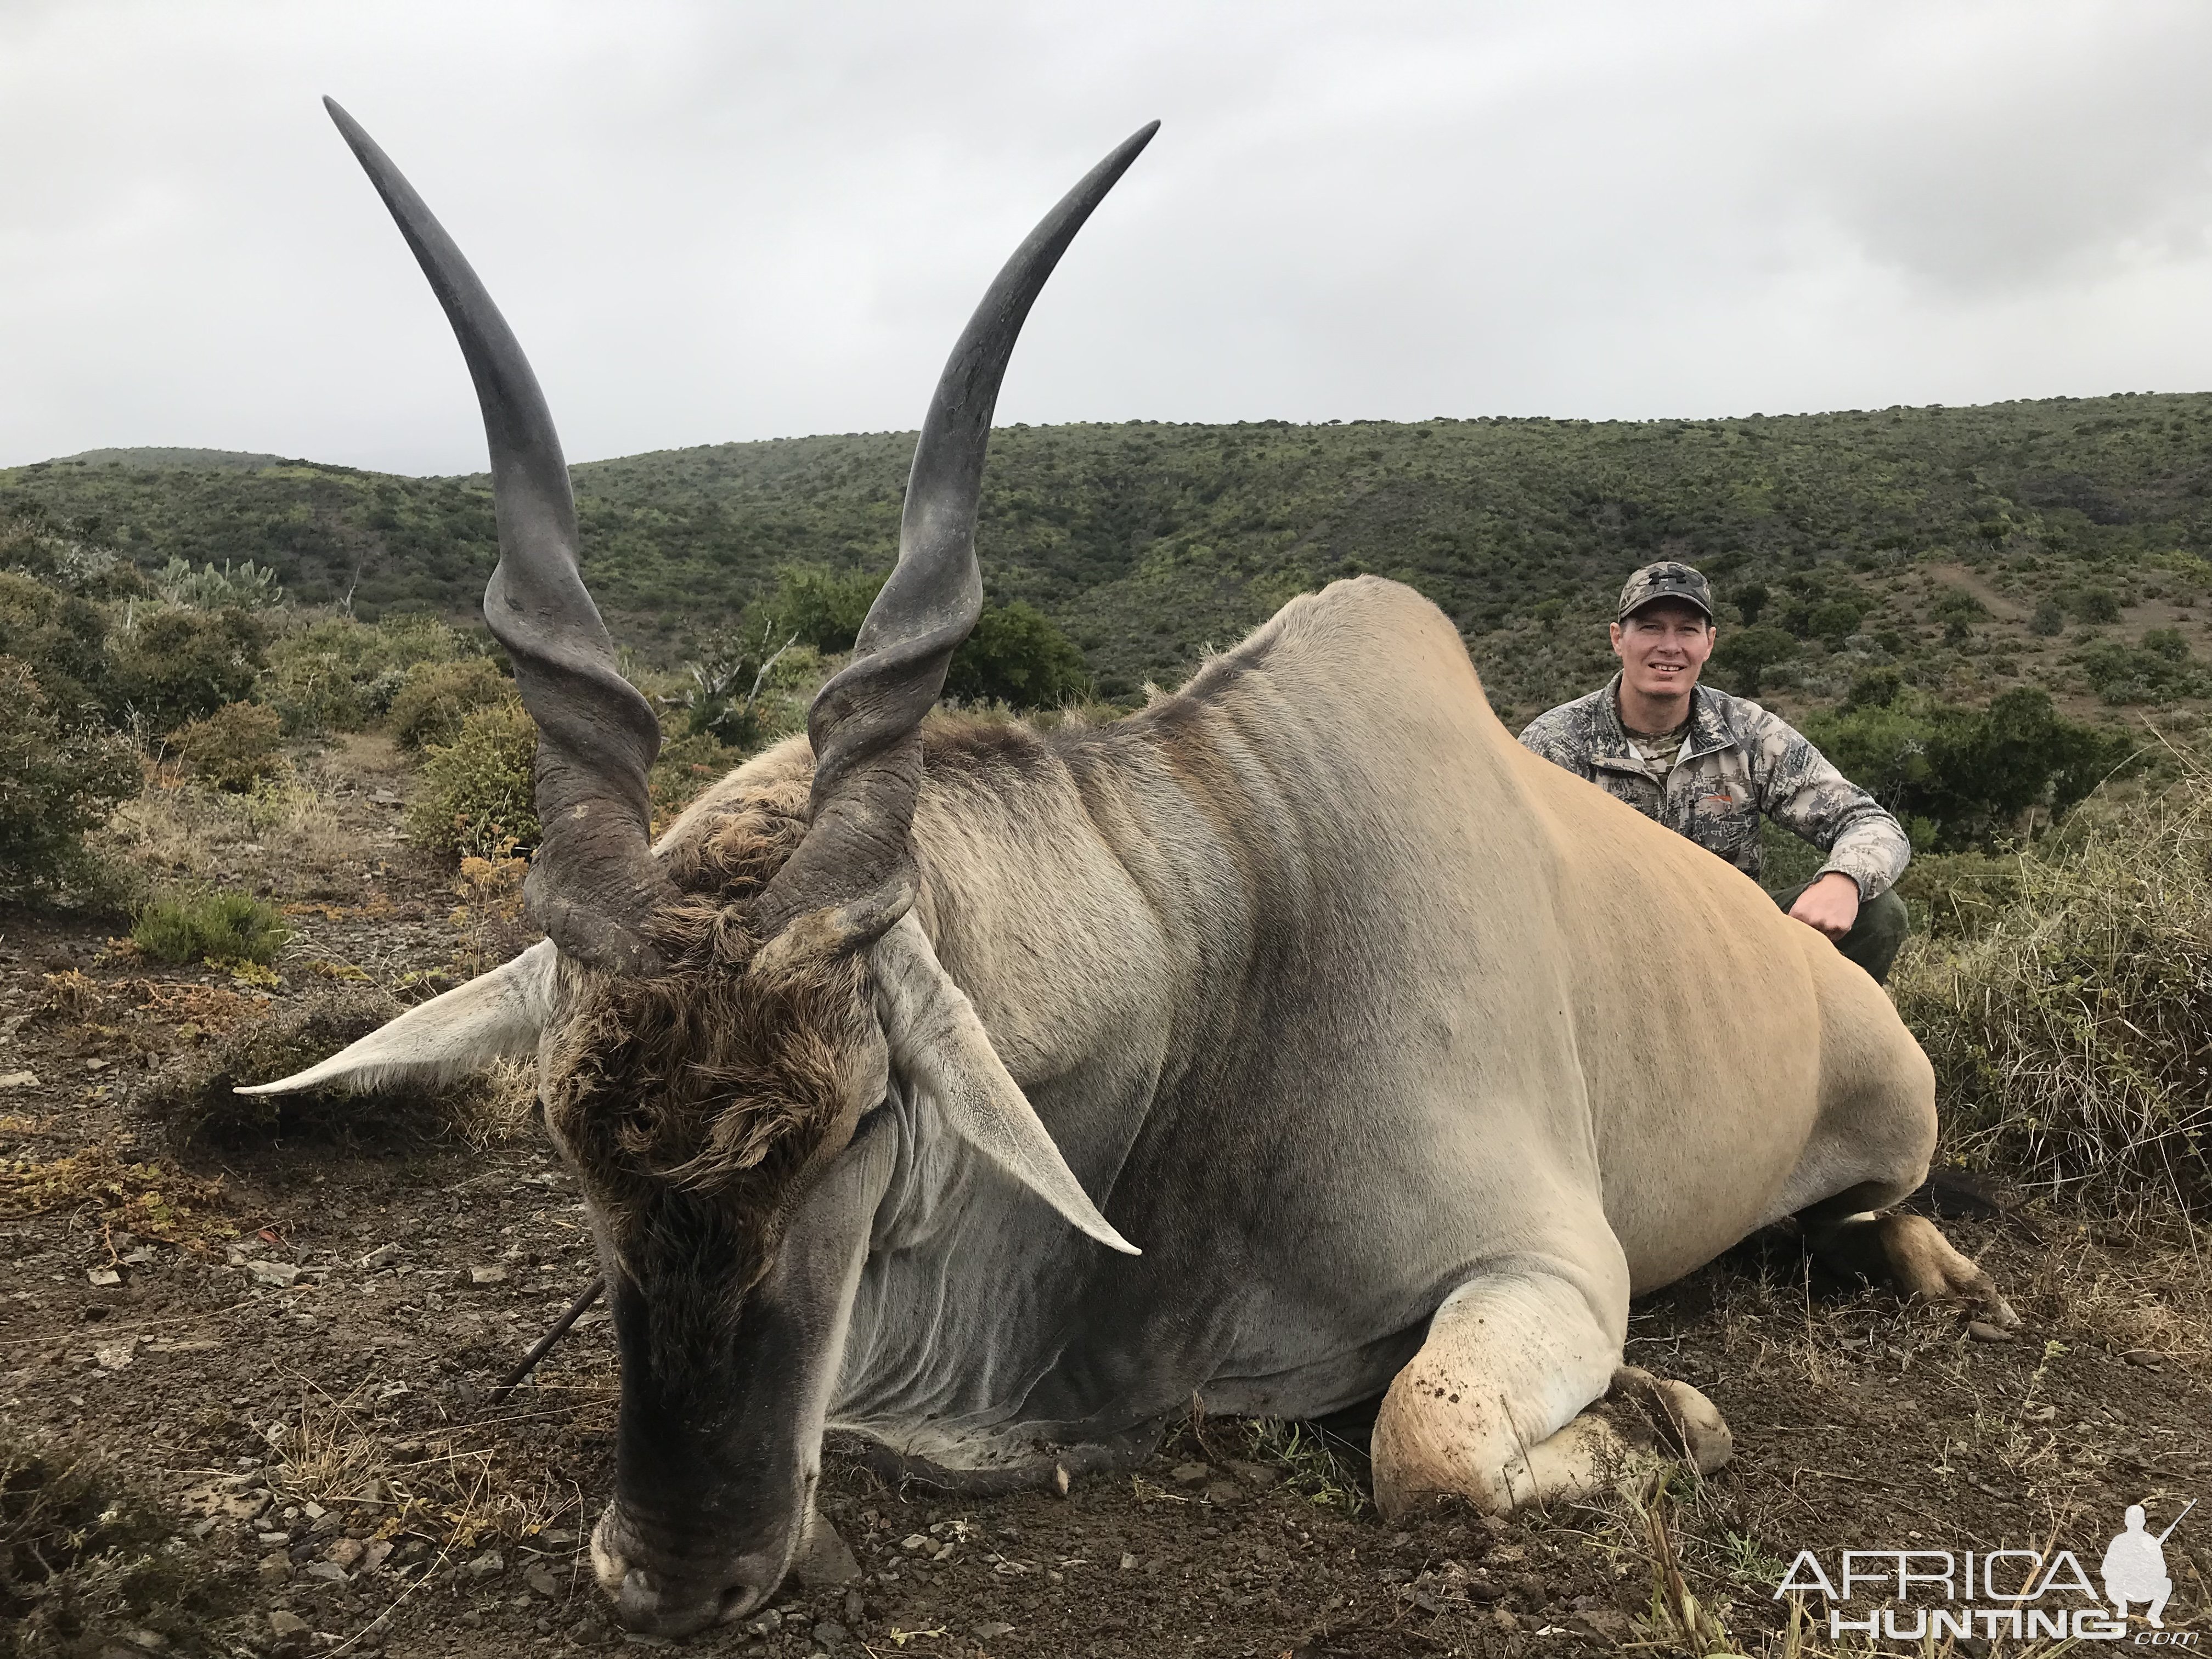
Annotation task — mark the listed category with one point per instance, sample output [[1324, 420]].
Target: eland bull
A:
[[1406, 1057]]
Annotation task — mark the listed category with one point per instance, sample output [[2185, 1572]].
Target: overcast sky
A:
[[718, 220]]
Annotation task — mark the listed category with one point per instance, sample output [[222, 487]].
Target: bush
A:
[[220, 928], [58, 780], [176, 666], [1017, 655], [234, 747], [1972, 773], [2156, 671], [337, 675], [1745, 655], [476, 795], [59, 639], [823, 609], [2068, 1030], [688, 765], [437, 697]]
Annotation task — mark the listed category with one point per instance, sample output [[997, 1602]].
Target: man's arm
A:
[[1800, 790]]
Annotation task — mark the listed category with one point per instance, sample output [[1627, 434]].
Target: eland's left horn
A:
[[594, 880], [854, 866]]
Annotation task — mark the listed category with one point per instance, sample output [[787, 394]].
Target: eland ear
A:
[[937, 1040], [495, 1016]]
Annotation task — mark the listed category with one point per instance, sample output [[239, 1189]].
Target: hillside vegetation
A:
[[2058, 544]]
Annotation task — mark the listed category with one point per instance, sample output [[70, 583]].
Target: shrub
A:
[[1017, 655], [688, 765], [2156, 671], [436, 696], [1745, 656], [337, 675], [823, 609], [2094, 604], [57, 781], [85, 1559], [2050, 619], [2068, 1030], [234, 747], [176, 666], [1972, 772], [59, 639], [476, 791], [221, 929]]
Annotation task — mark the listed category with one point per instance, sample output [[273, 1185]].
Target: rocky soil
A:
[[284, 1336]]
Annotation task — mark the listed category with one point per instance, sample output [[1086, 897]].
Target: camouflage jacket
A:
[[1737, 761]]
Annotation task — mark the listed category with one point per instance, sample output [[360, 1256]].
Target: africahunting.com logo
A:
[[2016, 1593]]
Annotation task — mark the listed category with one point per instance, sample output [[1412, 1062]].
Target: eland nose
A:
[[653, 1601]]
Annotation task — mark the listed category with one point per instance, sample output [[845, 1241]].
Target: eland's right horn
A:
[[594, 880], [853, 865]]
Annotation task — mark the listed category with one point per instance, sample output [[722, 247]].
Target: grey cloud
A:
[[709, 221]]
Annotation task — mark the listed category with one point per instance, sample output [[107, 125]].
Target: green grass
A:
[[217, 928]]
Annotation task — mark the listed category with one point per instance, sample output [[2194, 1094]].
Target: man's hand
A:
[[1829, 904]]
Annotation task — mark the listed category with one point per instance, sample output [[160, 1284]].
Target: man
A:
[[1707, 765]]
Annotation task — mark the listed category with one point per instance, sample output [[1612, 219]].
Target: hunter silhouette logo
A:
[[2135, 1566], [1916, 1595]]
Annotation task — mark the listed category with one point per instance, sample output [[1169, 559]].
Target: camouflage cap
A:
[[1669, 579]]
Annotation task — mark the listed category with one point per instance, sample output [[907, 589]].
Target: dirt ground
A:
[[285, 1337]]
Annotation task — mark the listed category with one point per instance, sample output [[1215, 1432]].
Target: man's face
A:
[[1662, 647]]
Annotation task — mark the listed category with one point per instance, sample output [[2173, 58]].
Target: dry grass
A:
[[150, 1199], [458, 1486], [287, 827], [2071, 1033]]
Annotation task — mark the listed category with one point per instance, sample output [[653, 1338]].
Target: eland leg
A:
[[1497, 1407], [1906, 1251]]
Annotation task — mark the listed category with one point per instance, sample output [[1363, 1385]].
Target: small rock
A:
[[1190, 1475], [281, 1274], [915, 1542], [823, 1561], [766, 1624], [1129, 1563], [829, 1633], [347, 1553], [1983, 1331], [1225, 1493], [275, 1570], [1503, 1618], [287, 1624], [106, 1278], [375, 1555], [1258, 1476], [19, 1079], [1059, 1479], [148, 1640], [485, 1564], [990, 1632], [382, 1256], [856, 1606], [542, 1582], [312, 1510], [2148, 1359], [488, 1275], [115, 1356], [329, 1571]]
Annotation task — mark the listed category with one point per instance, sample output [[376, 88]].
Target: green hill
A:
[[1974, 549]]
